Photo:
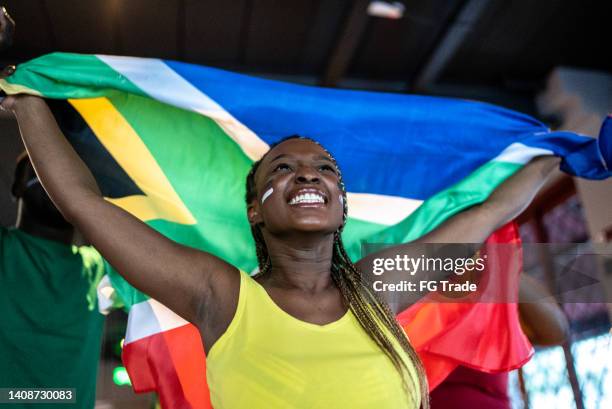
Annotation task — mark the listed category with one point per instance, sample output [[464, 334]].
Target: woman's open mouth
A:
[[308, 198]]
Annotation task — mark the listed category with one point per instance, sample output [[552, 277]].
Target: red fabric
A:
[[467, 388], [185, 347], [173, 364], [485, 336]]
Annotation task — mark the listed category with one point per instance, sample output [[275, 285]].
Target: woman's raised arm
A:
[[472, 225], [182, 278]]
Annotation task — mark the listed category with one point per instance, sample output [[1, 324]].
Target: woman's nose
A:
[[306, 174]]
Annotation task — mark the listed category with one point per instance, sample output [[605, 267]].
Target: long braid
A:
[[373, 314]]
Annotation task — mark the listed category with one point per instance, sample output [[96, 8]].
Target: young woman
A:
[[307, 331]]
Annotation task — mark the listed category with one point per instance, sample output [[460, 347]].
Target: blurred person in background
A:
[[544, 324], [50, 332]]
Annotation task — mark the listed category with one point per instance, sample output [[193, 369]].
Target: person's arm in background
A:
[[541, 317]]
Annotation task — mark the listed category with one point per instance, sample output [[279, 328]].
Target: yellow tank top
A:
[[269, 359]]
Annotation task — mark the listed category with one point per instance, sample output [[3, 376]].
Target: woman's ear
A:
[[254, 214]]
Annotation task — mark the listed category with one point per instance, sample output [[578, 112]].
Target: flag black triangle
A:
[[112, 180]]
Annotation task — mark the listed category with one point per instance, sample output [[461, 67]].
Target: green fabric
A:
[[86, 77], [49, 337]]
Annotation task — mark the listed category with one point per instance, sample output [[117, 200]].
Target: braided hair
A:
[[372, 313]]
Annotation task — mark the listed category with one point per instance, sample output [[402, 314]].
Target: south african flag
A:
[[172, 143]]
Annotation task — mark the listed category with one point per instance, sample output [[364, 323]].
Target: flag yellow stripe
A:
[[123, 143]]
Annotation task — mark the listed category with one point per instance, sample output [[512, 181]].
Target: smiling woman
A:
[[305, 332], [310, 197]]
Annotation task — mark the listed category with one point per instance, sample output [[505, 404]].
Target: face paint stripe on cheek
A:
[[266, 195]]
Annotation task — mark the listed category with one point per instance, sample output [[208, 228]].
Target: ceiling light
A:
[[386, 9]]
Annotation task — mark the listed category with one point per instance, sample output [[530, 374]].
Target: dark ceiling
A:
[[501, 44]]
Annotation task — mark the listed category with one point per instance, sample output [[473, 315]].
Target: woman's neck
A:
[[302, 263]]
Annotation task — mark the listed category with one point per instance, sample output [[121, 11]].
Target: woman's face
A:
[[297, 190]]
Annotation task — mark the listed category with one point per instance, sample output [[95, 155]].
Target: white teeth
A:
[[307, 198]]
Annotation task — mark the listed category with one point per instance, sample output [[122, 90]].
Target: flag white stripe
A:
[[380, 209], [149, 318], [520, 153], [159, 81]]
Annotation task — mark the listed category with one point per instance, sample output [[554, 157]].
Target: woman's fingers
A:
[[7, 103], [8, 71]]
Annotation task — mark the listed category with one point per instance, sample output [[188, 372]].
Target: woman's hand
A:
[[7, 103], [18, 103], [25, 107]]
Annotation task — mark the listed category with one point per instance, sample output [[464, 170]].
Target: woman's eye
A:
[[327, 168], [282, 166]]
